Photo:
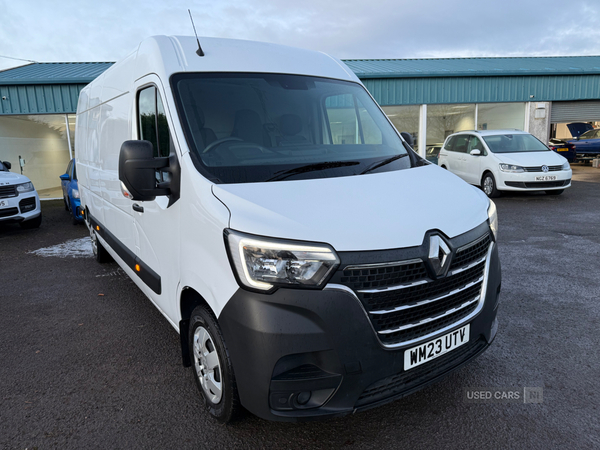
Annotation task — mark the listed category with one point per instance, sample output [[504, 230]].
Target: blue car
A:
[[587, 139], [70, 190]]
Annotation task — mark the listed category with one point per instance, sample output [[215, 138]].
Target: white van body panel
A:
[[350, 213]]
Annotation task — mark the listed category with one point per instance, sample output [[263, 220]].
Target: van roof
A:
[[492, 132]]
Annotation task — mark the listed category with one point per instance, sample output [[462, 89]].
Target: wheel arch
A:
[[189, 300]]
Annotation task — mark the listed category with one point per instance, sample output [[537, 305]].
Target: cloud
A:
[[106, 31]]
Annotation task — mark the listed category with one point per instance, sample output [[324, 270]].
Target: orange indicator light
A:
[[97, 228], [137, 268]]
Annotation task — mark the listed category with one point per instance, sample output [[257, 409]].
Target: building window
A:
[[498, 116], [443, 120], [405, 118]]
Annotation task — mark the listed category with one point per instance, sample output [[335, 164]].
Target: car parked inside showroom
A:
[[432, 152], [505, 160], [68, 182], [19, 201], [587, 139]]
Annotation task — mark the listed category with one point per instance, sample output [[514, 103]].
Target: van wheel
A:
[[32, 223], [211, 366], [555, 192], [66, 204], [100, 253], [488, 184], [444, 167]]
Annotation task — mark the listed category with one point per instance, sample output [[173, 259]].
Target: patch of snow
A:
[[75, 248]]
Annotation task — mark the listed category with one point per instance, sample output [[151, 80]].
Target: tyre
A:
[[66, 204], [555, 192], [488, 184], [100, 253], [211, 366], [32, 223]]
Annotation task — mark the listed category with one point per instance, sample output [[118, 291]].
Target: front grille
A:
[[7, 212], [369, 277], [539, 169], [27, 204], [408, 380], [537, 184], [405, 304], [8, 191]]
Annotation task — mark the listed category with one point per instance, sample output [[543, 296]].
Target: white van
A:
[[313, 264], [505, 160]]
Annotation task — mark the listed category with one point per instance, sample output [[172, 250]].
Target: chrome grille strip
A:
[[467, 267], [431, 300], [431, 319], [394, 288], [382, 265]]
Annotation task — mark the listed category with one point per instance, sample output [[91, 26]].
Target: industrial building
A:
[[429, 98]]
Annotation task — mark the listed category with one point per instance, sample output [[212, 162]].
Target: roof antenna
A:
[[199, 52]]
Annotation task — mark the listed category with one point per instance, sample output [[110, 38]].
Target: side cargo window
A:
[[152, 121], [460, 143]]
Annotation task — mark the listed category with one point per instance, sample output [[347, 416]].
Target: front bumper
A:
[[322, 342], [527, 181], [20, 208]]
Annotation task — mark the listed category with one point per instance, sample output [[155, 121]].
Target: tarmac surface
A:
[[86, 361]]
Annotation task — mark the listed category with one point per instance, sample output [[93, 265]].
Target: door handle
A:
[[138, 208]]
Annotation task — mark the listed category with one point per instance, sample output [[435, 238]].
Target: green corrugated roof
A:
[[474, 67], [53, 73]]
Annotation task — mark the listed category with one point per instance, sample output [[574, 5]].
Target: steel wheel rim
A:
[[488, 185], [94, 242], [207, 365]]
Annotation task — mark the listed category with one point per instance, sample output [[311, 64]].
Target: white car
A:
[[19, 201], [505, 160]]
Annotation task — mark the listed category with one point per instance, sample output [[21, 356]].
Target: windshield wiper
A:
[[312, 168], [378, 164]]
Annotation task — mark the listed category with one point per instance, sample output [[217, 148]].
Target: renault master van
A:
[[313, 264]]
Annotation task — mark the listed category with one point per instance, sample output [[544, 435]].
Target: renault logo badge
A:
[[439, 254]]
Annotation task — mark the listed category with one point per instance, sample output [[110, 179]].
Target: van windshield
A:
[[514, 143], [269, 127]]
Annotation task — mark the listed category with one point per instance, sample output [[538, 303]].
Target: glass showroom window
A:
[[405, 118], [41, 142], [497, 116], [443, 120]]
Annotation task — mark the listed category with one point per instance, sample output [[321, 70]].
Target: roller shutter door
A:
[[584, 111]]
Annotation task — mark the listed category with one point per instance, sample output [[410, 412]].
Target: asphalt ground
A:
[[86, 361]]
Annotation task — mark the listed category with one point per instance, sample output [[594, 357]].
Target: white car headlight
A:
[[566, 166], [264, 263], [511, 168], [493, 219], [25, 187], [75, 193]]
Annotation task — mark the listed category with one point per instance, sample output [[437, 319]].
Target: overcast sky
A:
[[106, 30]]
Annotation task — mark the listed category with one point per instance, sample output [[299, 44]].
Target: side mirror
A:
[[577, 138], [475, 152], [65, 177], [7, 164], [137, 170], [408, 138]]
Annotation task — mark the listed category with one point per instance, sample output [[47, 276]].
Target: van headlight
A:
[[263, 263], [511, 168], [25, 187], [493, 219]]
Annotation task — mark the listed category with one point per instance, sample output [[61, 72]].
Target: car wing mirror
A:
[[137, 170], [408, 138], [475, 152], [65, 177]]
